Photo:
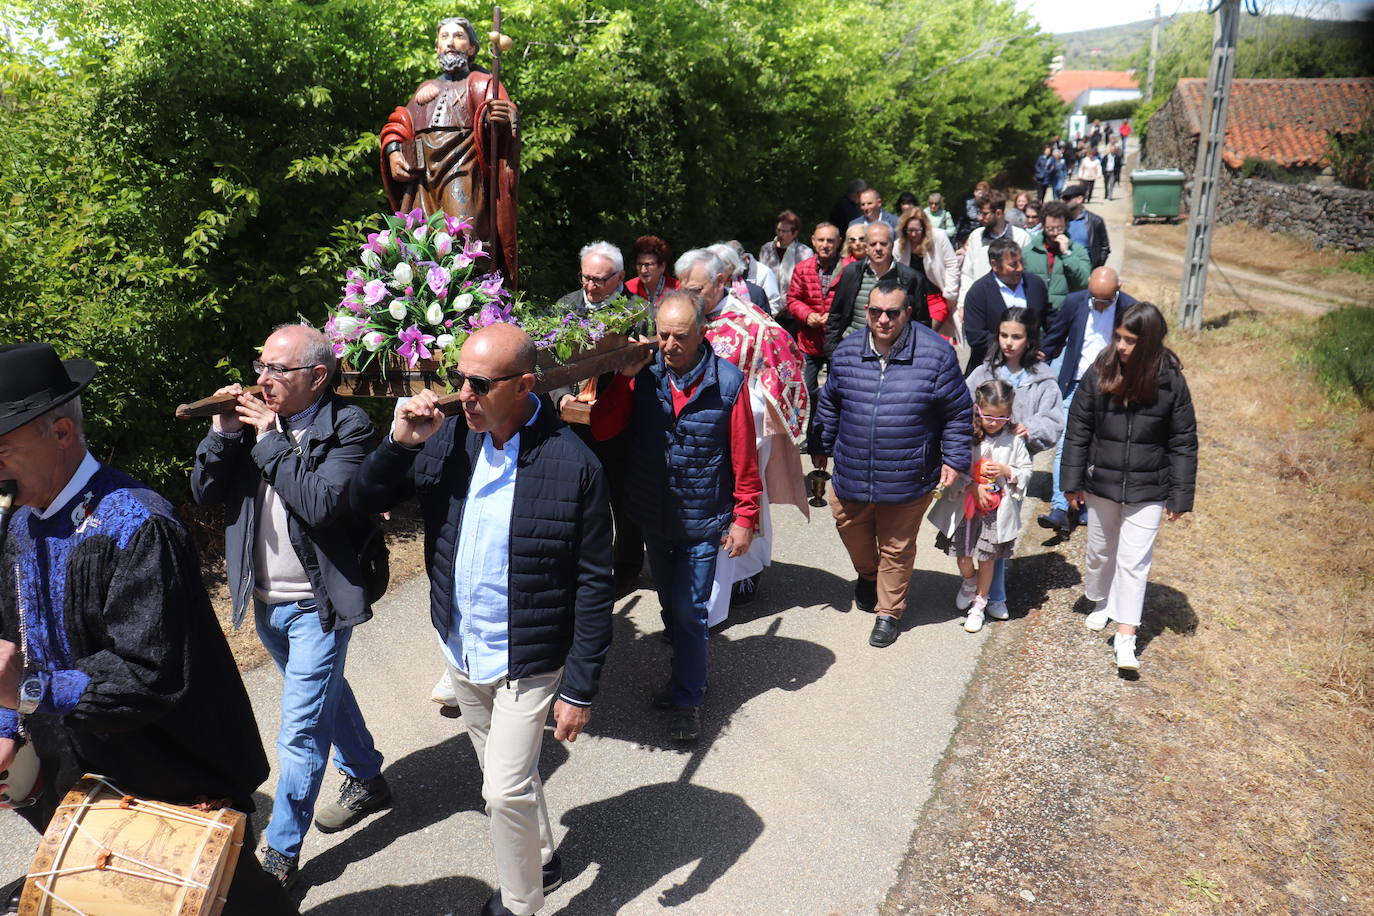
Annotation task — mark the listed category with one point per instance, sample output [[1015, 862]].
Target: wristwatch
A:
[[30, 695]]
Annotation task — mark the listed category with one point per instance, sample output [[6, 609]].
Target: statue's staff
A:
[[493, 92]]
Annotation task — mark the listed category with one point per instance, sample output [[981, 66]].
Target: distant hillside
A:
[[1126, 46], [1103, 49]]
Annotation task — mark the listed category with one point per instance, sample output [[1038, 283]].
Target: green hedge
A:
[[1112, 111]]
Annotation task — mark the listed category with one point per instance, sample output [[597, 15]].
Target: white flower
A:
[[345, 325], [373, 340], [443, 341], [421, 232], [371, 260], [397, 309], [435, 314], [403, 274], [384, 238], [443, 244], [463, 302]]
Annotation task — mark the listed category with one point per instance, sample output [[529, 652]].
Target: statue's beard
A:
[[453, 63]]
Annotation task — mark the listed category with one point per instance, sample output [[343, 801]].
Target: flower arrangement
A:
[[415, 293]]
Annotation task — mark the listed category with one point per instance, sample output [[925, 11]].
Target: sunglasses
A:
[[892, 314], [481, 386]]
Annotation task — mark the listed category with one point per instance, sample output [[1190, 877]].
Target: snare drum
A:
[[111, 854]]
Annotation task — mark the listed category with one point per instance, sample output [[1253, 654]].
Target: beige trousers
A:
[[505, 721], [881, 540]]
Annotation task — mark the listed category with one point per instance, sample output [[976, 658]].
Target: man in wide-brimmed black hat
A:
[[111, 659]]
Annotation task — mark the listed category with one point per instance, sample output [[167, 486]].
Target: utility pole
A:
[[1207, 176], [1154, 52]]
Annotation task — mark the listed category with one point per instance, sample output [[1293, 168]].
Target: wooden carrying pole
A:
[[493, 169]]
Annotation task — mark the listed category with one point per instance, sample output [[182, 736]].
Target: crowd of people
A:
[[843, 350]]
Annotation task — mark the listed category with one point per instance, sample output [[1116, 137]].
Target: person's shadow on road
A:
[[638, 837], [430, 784]]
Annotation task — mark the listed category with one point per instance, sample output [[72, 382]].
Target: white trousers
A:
[[1121, 546], [505, 721]]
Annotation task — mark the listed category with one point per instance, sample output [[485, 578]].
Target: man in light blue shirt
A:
[[518, 545]]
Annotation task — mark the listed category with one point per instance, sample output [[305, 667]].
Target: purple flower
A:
[[472, 250], [490, 285], [454, 225], [492, 313], [415, 217], [374, 243], [374, 292], [438, 281], [413, 345]]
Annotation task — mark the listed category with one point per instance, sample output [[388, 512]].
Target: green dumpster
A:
[[1157, 193]]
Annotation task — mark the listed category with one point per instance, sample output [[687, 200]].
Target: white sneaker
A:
[[1125, 652], [997, 610], [444, 693], [974, 621], [966, 593], [1098, 619]]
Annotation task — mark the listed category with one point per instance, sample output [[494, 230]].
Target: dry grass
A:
[[1257, 735], [1279, 256]]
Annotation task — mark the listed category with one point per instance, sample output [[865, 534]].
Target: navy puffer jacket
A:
[[680, 482], [891, 423], [560, 540]]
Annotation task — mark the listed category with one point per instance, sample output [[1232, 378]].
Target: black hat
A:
[[33, 381], [1071, 190]]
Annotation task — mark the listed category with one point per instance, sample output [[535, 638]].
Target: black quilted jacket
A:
[[560, 544], [1138, 454]]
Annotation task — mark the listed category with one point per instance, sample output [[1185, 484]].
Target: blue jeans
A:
[[682, 574], [317, 709], [1057, 497], [998, 590]]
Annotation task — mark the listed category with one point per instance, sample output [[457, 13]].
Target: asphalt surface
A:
[[813, 766]]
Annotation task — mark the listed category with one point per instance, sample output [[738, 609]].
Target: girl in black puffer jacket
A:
[[1130, 454]]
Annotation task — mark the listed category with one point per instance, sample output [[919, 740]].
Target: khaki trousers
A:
[[881, 540], [505, 721]]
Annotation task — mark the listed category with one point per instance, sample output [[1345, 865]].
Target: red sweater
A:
[[804, 298], [611, 414]]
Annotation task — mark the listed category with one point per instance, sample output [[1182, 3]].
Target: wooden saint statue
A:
[[455, 147]]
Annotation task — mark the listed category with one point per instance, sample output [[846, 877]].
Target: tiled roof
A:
[[1288, 122], [1070, 84]]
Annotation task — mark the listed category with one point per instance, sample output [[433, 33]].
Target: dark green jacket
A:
[[1070, 272]]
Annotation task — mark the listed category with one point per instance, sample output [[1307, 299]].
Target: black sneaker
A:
[[282, 867], [553, 874], [866, 595], [745, 590], [357, 799], [686, 724]]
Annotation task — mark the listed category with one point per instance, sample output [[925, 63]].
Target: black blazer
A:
[[1098, 245], [1066, 334], [983, 308], [847, 290]]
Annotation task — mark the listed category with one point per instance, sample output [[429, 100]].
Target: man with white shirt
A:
[[1082, 329], [518, 547], [871, 211], [992, 215], [1006, 285]]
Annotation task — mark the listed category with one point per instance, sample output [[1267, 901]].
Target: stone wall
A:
[[1328, 216], [1170, 142]]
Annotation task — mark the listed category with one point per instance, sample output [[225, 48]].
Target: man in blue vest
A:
[[693, 484]]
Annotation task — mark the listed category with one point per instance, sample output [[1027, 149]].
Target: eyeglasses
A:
[[988, 418], [481, 385], [588, 278], [892, 314], [274, 371]]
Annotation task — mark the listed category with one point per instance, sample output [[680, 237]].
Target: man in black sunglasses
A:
[[518, 546]]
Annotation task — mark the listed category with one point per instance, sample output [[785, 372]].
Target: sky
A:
[[1076, 15]]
